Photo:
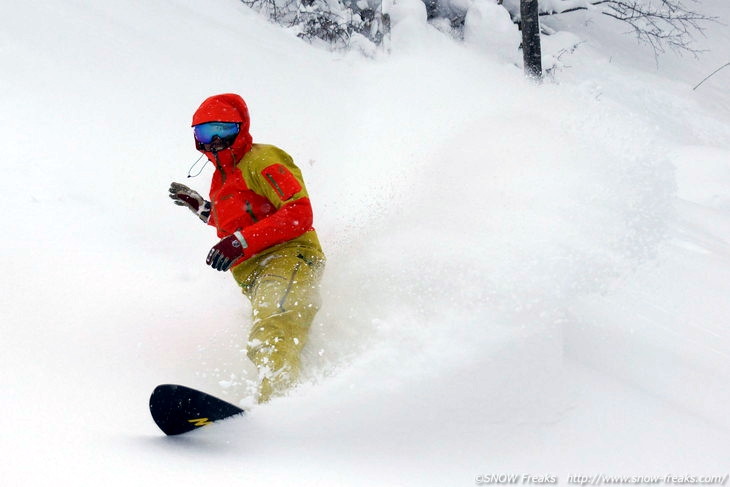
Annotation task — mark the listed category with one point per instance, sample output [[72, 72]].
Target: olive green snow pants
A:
[[283, 286]]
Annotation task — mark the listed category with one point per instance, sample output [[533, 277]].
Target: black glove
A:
[[184, 196], [226, 252]]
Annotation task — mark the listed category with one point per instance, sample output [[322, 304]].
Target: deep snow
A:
[[491, 306]]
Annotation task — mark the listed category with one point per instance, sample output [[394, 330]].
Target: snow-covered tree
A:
[[333, 21], [660, 23]]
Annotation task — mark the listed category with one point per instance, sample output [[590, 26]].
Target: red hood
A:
[[227, 107]]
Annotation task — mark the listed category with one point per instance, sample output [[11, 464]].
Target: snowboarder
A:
[[261, 209]]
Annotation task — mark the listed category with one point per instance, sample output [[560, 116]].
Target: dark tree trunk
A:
[[531, 39]]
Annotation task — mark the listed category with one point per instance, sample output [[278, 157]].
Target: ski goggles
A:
[[205, 133]]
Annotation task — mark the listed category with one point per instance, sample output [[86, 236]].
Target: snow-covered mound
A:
[[521, 279]]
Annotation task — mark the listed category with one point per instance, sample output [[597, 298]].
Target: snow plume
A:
[[492, 233], [481, 229]]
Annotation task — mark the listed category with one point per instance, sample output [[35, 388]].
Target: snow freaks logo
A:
[[506, 479], [601, 479]]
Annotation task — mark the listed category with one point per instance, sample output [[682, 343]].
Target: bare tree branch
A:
[[711, 75], [659, 23]]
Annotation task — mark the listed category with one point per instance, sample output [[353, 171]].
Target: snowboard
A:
[[179, 409]]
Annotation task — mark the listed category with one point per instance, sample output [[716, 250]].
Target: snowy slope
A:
[[490, 306]]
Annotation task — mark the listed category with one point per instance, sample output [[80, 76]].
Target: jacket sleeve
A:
[[281, 182], [211, 219]]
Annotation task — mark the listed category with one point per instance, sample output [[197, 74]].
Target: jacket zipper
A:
[[249, 210]]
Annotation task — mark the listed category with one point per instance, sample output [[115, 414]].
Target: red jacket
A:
[[256, 188]]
